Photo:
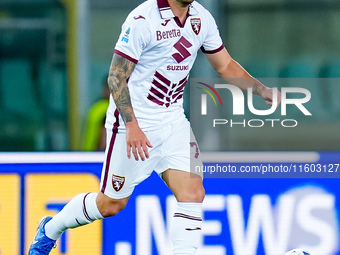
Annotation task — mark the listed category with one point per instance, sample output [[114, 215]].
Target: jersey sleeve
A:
[[134, 37], [213, 42]]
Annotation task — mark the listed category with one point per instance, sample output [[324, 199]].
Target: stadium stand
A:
[[17, 94], [20, 119], [304, 75], [331, 74]]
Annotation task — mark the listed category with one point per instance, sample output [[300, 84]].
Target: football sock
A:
[[81, 210], [185, 230]]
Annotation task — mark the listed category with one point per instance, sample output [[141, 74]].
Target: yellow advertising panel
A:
[[46, 194], [9, 214]]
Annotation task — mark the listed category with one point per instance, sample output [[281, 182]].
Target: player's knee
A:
[[112, 208], [195, 195], [199, 195]]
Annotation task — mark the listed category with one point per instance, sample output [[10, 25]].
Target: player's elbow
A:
[[222, 69]]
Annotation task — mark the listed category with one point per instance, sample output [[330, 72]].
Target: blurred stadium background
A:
[[54, 55]]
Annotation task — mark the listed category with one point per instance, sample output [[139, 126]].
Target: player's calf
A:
[[185, 231]]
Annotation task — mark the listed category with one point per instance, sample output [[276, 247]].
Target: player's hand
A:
[[137, 142], [267, 95]]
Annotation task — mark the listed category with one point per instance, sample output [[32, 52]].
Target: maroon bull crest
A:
[[196, 25], [118, 182]]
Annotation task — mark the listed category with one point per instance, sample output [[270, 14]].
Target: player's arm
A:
[[235, 74], [120, 69]]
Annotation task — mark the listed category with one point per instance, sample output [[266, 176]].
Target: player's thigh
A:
[[179, 150], [181, 155], [186, 186], [120, 174]]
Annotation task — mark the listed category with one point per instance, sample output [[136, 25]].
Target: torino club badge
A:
[[196, 25], [118, 182]]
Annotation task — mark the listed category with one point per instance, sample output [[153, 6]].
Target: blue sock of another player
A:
[[81, 210], [185, 231]]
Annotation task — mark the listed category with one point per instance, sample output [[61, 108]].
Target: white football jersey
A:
[[164, 51]]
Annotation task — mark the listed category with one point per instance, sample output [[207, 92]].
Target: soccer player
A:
[[146, 126]]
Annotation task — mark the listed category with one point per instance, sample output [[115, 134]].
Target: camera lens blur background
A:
[[54, 55]]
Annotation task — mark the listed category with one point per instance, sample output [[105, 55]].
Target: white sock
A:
[[81, 210], [185, 230]]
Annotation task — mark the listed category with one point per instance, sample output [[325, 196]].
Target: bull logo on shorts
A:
[[196, 25], [118, 182]]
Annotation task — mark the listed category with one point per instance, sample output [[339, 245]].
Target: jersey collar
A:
[[166, 12]]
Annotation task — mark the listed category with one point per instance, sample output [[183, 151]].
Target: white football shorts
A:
[[174, 147]]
